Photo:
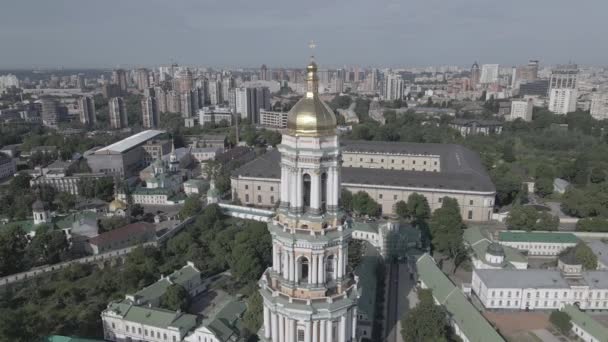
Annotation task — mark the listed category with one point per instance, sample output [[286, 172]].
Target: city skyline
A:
[[247, 34]]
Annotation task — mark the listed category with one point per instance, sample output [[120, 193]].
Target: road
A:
[[399, 298]]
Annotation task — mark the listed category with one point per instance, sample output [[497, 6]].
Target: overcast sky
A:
[[107, 33]]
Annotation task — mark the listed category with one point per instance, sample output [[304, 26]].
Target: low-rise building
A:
[[123, 237], [474, 126], [521, 109], [488, 254], [465, 319], [204, 154], [7, 166], [224, 326], [538, 243], [273, 119], [599, 106], [584, 326], [215, 115], [600, 249]]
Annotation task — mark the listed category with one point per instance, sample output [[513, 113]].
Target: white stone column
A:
[[293, 189], [285, 268], [307, 332], [322, 333], [284, 184], [344, 259], [340, 257], [275, 330], [275, 266], [320, 270], [266, 322], [315, 186], [292, 267], [299, 193], [292, 331], [354, 324], [343, 328], [281, 329], [312, 271], [330, 331], [315, 329]]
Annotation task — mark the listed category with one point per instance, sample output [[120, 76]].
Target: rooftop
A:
[[600, 249], [542, 237], [122, 233], [587, 323], [154, 291], [130, 142], [226, 323], [521, 279], [461, 168], [155, 317], [462, 312]]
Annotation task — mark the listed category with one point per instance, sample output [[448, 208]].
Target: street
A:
[[398, 300]]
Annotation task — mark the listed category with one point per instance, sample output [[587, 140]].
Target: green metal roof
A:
[[587, 323], [153, 292], [226, 324], [67, 221], [156, 317], [541, 237], [462, 312], [27, 225], [472, 235], [58, 338], [365, 227]]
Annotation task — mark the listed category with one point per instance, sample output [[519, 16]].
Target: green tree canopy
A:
[[561, 321], [446, 228], [418, 207], [175, 298], [363, 204], [426, 322]]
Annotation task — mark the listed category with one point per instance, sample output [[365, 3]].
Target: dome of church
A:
[[38, 205], [311, 116], [117, 204]]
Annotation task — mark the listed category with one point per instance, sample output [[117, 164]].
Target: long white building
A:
[[521, 109], [599, 106]]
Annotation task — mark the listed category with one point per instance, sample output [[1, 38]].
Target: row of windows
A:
[[536, 303], [259, 199], [259, 187], [371, 160], [151, 332], [547, 294]]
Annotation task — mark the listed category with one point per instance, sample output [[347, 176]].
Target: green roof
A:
[[472, 235], [587, 323], [542, 237], [58, 338], [67, 221], [366, 271], [147, 191], [156, 317], [473, 325], [153, 292], [365, 227], [27, 225], [226, 324]]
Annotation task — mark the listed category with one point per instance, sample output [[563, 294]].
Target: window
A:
[[127, 328], [259, 187], [259, 199], [380, 196], [440, 199], [300, 335], [395, 197], [246, 187], [271, 199], [392, 161], [471, 202], [424, 162], [246, 197], [272, 188], [113, 325], [145, 332], [470, 216], [493, 293]]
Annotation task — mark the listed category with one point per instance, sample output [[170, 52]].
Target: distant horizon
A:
[[390, 33]]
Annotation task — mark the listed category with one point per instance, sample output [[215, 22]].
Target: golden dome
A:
[[117, 204], [311, 116]]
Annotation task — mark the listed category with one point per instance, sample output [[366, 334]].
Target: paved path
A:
[[546, 336], [401, 297]]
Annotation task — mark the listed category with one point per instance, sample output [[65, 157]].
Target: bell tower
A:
[[310, 294]]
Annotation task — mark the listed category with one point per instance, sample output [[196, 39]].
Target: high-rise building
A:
[[393, 87], [227, 84], [309, 294], [264, 74], [142, 79], [215, 92], [249, 101], [149, 112], [527, 73], [324, 77], [161, 99], [87, 110], [489, 73], [184, 81], [562, 89], [337, 84], [187, 108], [599, 106], [174, 104], [118, 113], [521, 109], [119, 77], [50, 112]]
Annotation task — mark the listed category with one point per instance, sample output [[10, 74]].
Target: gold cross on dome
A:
[[312, 45]]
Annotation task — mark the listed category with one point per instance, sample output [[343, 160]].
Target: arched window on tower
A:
[[306, 187], [303, 268], [329, 268], [323, 191]]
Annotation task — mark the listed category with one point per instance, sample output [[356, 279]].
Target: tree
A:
[[137, 210], [597, 175], [585, 256], [543, 186], [363, 204], [401, 209], [48, 246], [175, 298], [446, 228], [346, 200], [13, 243], [418, 207], [426, 322], [66, 201], [508, 155], [192, 206], [546, 221], [522, 218], [561, 321], [592, 224], [252, 320]]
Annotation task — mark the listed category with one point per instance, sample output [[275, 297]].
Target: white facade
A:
[[521, 109], [273, 119], [7, 167], [539, 289], [562, 100], [489, 73], [393, 88], [118, 113], [215, 115], [599, 106]]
